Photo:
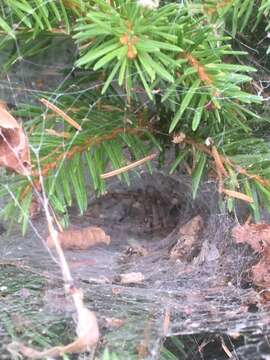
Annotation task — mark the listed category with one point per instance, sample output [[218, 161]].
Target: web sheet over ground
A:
[[211, 294]]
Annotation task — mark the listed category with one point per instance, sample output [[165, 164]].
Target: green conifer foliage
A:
[[177, 62]]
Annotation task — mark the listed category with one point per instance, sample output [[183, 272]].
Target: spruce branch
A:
[[174, 58], [77, 149]]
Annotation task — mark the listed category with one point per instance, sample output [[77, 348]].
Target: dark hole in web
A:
[[253, 308]]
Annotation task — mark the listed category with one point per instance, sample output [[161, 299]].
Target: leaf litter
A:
[[80, 239], [258, 237]]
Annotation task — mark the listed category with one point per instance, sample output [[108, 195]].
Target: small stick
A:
[[61, 113], [166, 321], [225, 348], [128, 167]]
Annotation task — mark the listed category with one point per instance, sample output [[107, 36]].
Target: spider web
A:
[[209, 295]]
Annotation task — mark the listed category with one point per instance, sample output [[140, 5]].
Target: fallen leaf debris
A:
[[258, 237], [14, 146], [81, 239]]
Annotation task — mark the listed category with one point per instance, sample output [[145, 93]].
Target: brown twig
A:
[[128, 167], [237, 195], [61, 113]]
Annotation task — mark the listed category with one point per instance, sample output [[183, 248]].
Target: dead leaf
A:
[[131, 278], [265, 296], [71, 4], [7, 121], [258, 237], [81, 239], [260, 272], [14, 147]]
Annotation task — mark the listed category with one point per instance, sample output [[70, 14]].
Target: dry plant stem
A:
[[61, 113], [226, 349], [68, 280], [128, 167], [52, 132], [87, 327], [237, 195], [166, 321]]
